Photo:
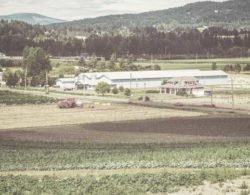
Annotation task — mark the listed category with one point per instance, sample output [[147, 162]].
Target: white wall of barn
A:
[[140, 84], [147, 83], [198, 92]]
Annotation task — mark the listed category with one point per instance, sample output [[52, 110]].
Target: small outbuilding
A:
[[2, 54], [183, 86], [66, 83], [2, 83]]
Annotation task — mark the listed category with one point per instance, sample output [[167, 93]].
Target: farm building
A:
[[2, 83], [66, 83], [149, 79], [2, 55], [183, 85]]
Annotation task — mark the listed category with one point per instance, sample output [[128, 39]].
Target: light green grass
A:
[[202, 64]]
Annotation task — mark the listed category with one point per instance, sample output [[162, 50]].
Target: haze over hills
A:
[[229, 14], [31, 18]]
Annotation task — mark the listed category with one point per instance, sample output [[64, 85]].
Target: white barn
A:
[[149, 79], [66, 83], [2, 83]]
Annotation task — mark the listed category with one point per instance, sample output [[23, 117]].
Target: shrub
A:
[[127, 92], [182, 93], [153, 91], [115, 90], [121, 89], [6, 63], [233, 67], [245, 192], [244, 186], [214, 66], [146, 99], [61, 75], [102, 88], [247, 67], [11, 78], [156, 67]]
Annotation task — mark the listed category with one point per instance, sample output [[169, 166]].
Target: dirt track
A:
[[143, 131]]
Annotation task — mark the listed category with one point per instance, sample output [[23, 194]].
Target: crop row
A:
[[140, 183], [16, 155]]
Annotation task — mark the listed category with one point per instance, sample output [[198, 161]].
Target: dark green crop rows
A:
[[11, 98], [140, 183], [15, 155]]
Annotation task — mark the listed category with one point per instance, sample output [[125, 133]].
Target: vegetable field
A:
[[112, 184], [117, 149], [10, 98], [25, 156]]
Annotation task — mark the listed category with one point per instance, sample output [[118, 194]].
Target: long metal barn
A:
[[149, 79]]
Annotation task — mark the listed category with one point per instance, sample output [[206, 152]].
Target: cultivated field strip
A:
[[48, 115]]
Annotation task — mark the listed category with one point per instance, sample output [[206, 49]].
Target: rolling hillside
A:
[[31, 18], [229, 14]]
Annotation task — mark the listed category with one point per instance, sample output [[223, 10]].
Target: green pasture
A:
[[202, 64]]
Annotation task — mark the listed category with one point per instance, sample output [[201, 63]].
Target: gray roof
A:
[[152, 74]]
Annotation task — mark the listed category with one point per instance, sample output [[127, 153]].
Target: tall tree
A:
[[35, 62]]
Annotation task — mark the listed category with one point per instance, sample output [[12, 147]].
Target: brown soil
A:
[[202, 126], [199, 129]]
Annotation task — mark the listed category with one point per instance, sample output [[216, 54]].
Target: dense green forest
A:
[[230, 14], [214, 41]]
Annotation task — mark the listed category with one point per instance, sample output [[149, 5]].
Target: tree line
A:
[[35, 68], [142, 42]]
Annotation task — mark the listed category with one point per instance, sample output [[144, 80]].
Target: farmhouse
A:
[[66, 83], [149, 79], [183, 86]]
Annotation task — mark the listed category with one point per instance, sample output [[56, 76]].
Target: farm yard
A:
[[221, 95], [154, 103], [119, 148]]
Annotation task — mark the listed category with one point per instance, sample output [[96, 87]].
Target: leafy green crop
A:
[[15, 155], [9, 98], [140, 183]]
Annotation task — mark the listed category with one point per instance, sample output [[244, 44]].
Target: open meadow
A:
[[111, 148], [202, 64], [70, 67]]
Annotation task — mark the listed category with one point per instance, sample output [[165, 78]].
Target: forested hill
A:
[[229, 14], [31, 18]]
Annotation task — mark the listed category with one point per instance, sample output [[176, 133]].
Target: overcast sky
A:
[[79, 9]]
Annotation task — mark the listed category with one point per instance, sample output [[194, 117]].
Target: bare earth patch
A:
[[167, 130], [232, 187]]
